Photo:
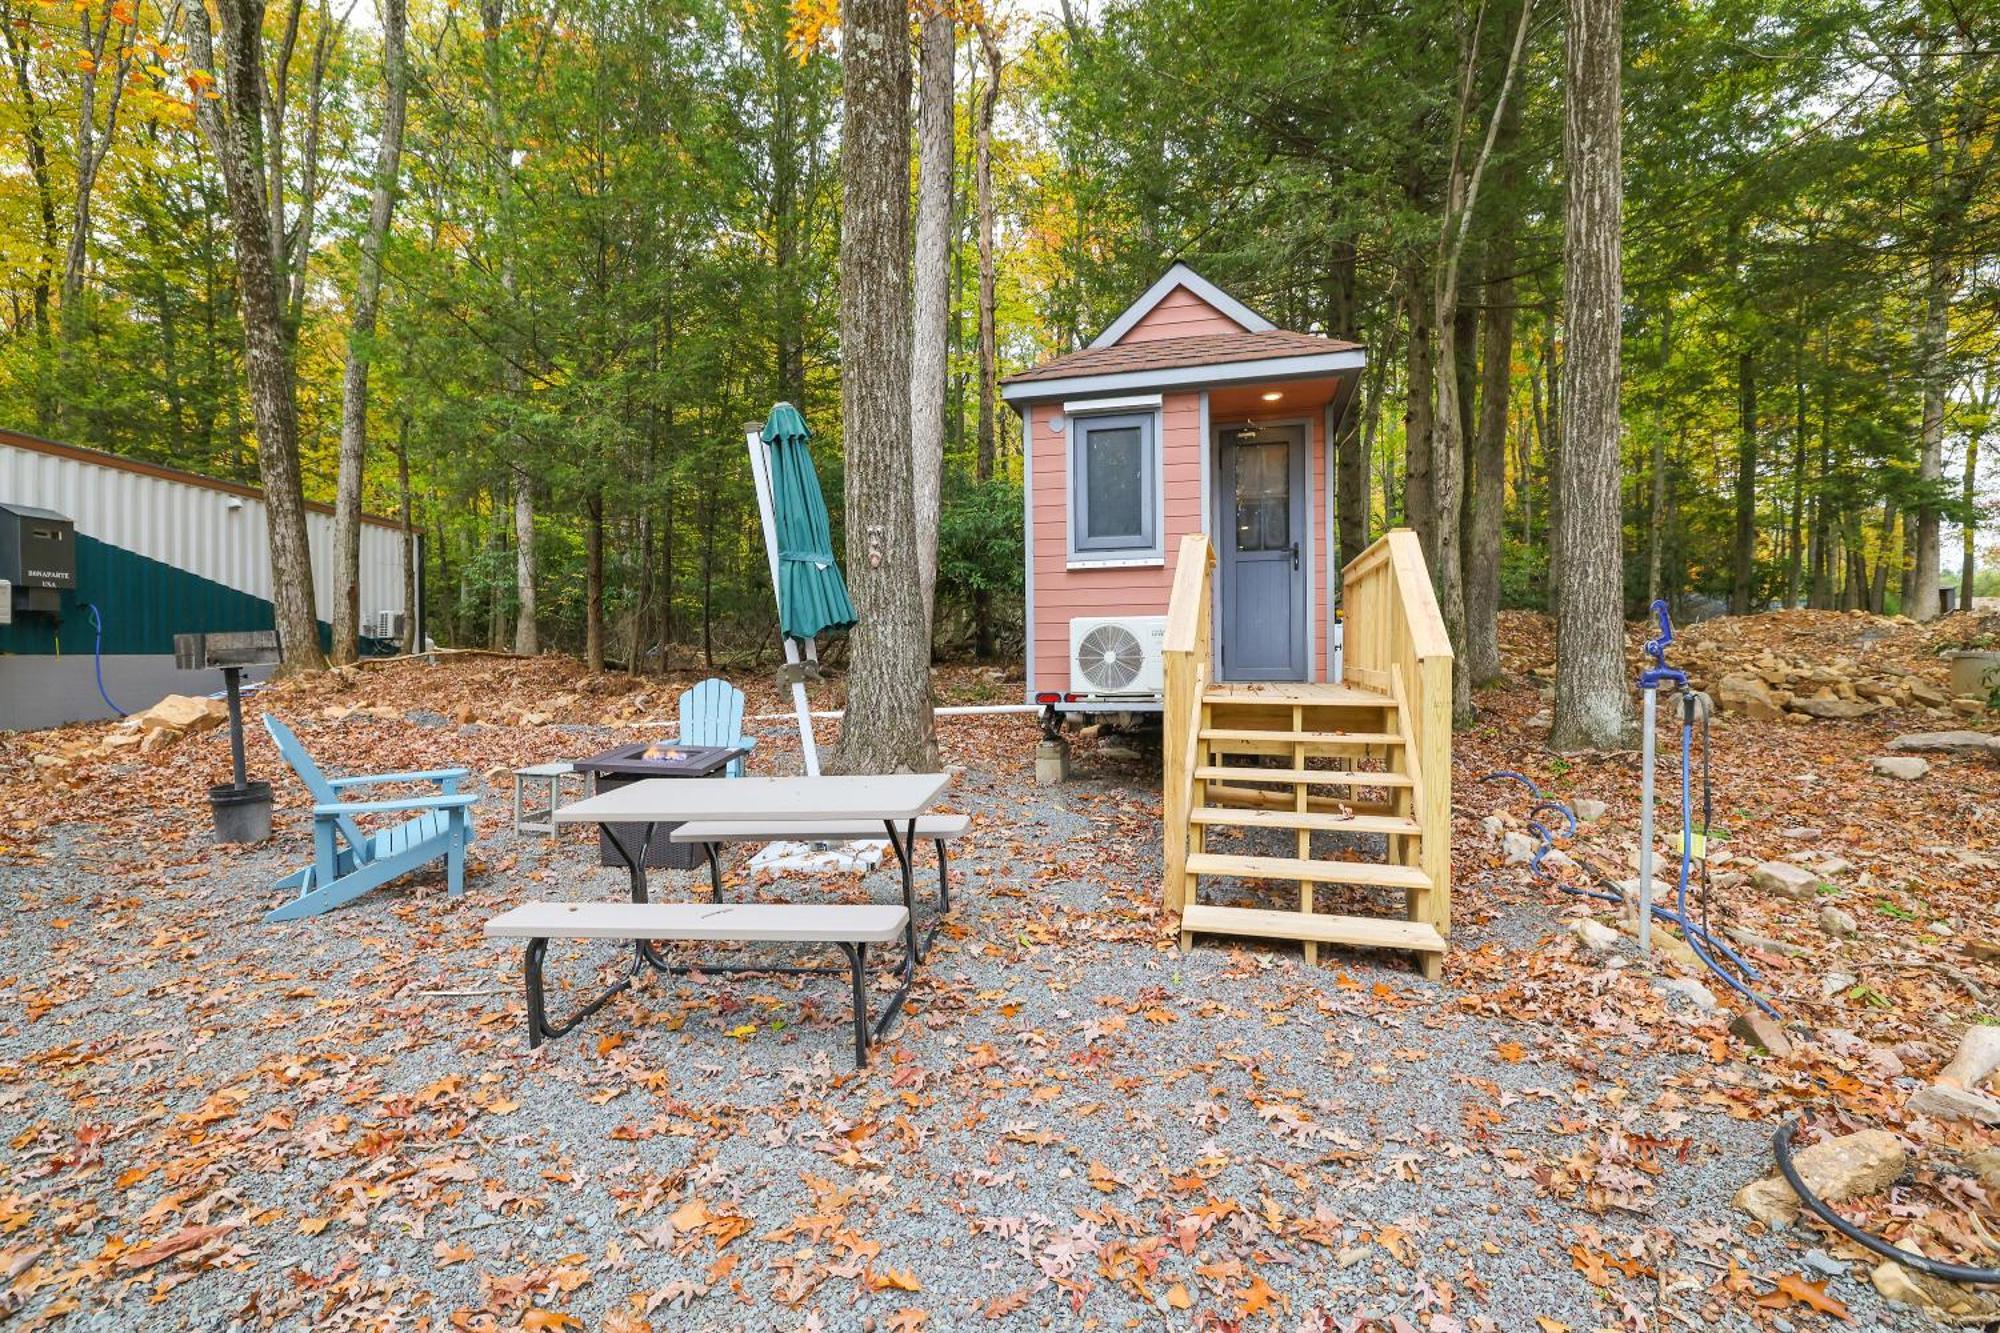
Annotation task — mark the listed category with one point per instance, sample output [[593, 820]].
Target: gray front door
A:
[[1263, 550]]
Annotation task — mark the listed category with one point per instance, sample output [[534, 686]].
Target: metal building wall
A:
[[211, 532]]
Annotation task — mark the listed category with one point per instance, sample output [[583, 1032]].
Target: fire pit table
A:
[[624, 765]]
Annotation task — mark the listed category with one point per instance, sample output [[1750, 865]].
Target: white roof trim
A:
[[1178, 377], [1180, 275]]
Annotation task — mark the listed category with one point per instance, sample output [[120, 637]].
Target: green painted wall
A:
[[143, 602]]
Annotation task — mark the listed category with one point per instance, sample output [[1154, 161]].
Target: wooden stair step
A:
[[1229, 817], [1312, 694], [1302, 737], [1321, 927], [1374, 874], [1327, 777]]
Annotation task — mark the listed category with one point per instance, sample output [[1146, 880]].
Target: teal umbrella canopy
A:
[[812, 594]]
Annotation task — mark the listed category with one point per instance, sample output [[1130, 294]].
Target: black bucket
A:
[[242, 814]]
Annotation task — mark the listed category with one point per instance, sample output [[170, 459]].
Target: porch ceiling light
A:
[[1273, 396]]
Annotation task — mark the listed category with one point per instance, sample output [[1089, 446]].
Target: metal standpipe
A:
[[1650, 681], [1649, 708]]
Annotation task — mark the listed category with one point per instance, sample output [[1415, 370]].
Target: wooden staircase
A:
[[1285, 767]]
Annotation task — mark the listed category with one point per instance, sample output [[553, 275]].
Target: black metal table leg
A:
[[714, 870], [636, 866], [539, 1027], [857, 962], [905, 846]]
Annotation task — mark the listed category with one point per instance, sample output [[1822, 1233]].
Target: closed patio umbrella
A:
[[798, 540], [812, 595]]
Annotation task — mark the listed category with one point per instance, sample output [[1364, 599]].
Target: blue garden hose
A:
[[97, 656], [1698, 937]]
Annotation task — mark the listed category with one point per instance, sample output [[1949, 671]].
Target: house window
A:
[[1114, 486]]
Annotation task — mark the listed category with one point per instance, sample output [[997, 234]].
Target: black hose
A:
[[1781, 1148]]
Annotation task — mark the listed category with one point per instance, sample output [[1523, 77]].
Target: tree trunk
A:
[[889, 723], [1419, 509], [360, 340], [1921, 603], [90, 149], [413, 638], [1457, 327], [1592, 709], [1656, 513], [12, 32], [1486, 489], [233, 128], [989, 339], [1795, 557], [1743, 558], [1890, 555], [593, 581], [526, 641], [930, 347], [1968, 555]]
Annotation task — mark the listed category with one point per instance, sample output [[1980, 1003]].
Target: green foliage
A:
[[980, 549]]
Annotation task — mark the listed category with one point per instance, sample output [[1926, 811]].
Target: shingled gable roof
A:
[[1206, 349], [1256, 340]]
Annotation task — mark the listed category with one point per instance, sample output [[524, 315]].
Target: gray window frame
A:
[[1085, 549]]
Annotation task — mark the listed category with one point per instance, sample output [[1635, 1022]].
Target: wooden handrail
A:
[[1184, 651], [1395, 641]]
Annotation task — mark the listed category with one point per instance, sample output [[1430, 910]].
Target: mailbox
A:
[[37, 557]]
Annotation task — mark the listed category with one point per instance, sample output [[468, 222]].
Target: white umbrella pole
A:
[[760, 473]]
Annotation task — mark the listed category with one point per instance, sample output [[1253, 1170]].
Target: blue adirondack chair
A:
[[348, 862], [712, 714]]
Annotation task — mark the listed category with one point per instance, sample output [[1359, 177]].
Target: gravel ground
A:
[[339, 1122]]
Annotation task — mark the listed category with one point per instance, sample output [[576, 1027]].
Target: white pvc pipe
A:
[[1646, 824]]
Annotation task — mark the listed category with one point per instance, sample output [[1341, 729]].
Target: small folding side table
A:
[[544, 783]]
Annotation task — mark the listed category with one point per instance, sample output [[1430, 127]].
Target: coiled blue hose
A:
[[97, 656], [1696, 936]]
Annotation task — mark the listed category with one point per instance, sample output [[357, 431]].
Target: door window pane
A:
[[1264, 496], [1115, 463]]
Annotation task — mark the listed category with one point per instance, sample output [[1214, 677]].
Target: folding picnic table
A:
[[895, 799]]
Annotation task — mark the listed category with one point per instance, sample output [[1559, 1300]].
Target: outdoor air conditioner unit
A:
[[1116, 655], [386, 625]]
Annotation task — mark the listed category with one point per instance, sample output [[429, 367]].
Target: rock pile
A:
[[157, 727], [1771, 688]]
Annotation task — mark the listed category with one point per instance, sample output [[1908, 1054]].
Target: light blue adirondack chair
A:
[[348, 862], [712, 714]]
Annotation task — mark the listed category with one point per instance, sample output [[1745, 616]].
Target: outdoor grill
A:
[[639, 762]]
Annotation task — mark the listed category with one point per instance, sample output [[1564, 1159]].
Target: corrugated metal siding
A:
[[214, 535], [143, 604]]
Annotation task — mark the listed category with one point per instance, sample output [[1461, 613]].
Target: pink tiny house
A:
[[1191, 413]]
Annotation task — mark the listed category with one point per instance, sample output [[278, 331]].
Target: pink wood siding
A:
[[1062, 592], [1317, 608], [1180, 314], [1136, 590]]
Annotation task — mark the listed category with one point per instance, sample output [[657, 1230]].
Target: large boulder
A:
[[1835, 709], [1947, 742], [1740, 692], [178, 713], [1906, 767], [1852, 1166], [1786, 880]]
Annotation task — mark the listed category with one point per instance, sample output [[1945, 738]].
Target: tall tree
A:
[[889, 723], [233, 126], [930, 326], [989, 316], [1592, 709], [360, 344], [1468, 169], [513, 378]]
